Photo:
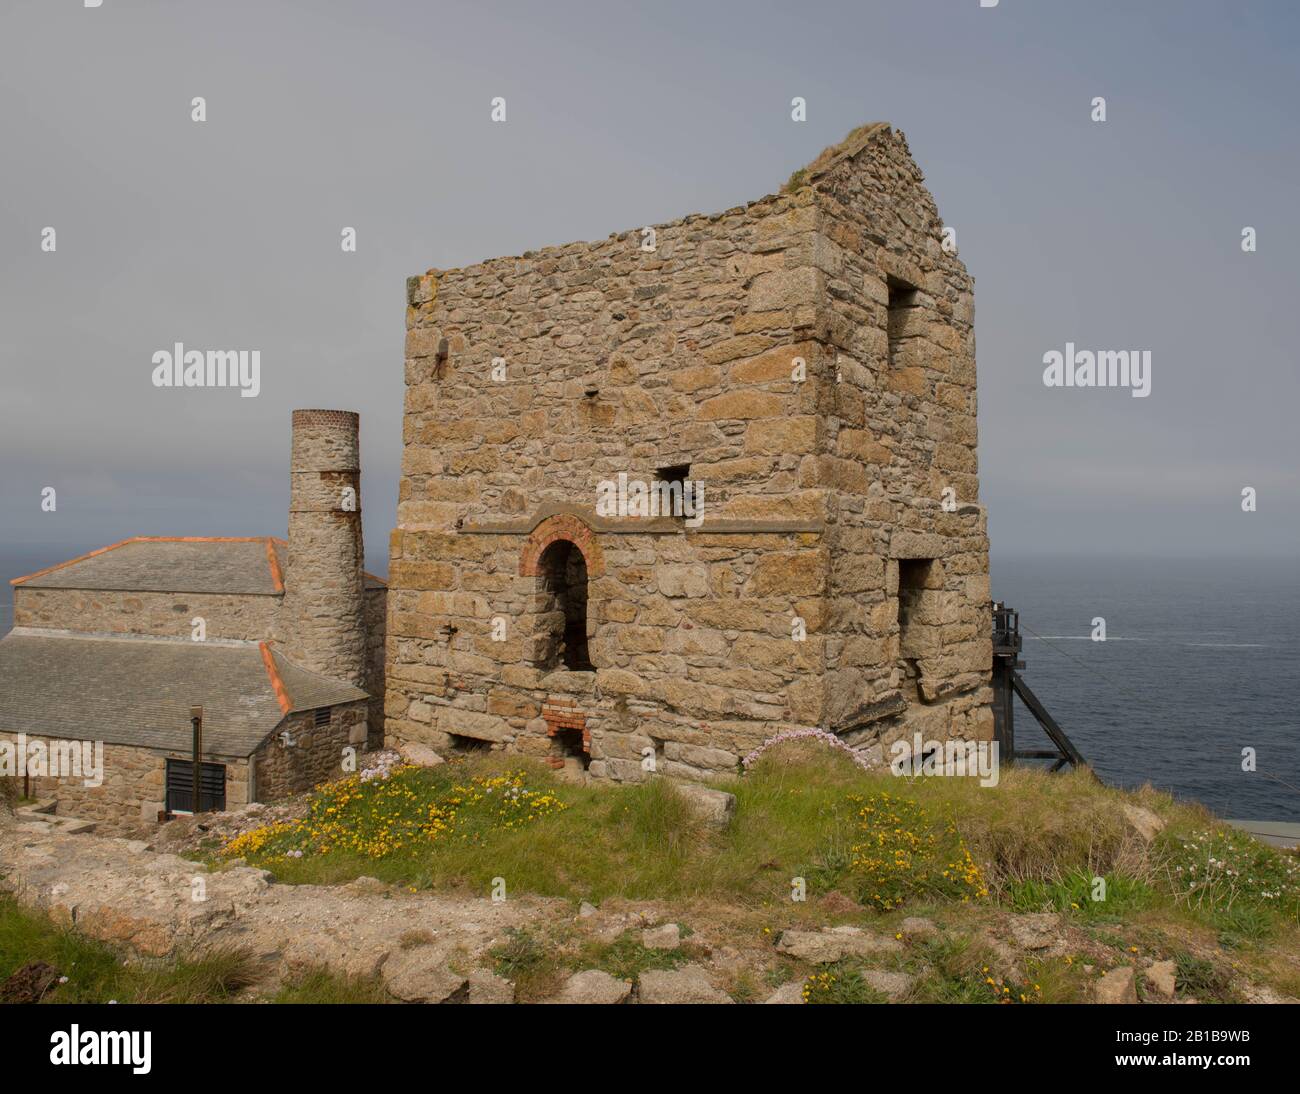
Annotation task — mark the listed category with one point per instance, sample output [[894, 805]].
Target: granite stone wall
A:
[[247, 617], [321, 625], [312, 754], [900, 445], [376, 622], [131, 794]]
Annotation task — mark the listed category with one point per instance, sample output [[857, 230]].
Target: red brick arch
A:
[[567, 527]]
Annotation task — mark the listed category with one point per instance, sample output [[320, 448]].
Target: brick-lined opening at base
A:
[[566, 725]]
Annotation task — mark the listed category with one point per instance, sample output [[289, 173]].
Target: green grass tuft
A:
[[326, 986], [97, 974]]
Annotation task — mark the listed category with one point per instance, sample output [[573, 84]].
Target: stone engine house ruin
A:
[[806, 363]]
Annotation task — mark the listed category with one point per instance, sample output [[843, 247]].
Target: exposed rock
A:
[[714, 807], [1004, 959], [420, 755], [894, 986], [914, 927], [486, 987], [152, 904], [1162, 979], [1255, 993], [689, 984], [787, 993], [422, 976], [728, 960], [366, 884], [61, 823], [585, 910], [667, 937], [158, 905], [834, 944], [305, 949], [1143, 821], [1036, 931], [593, 986], [1116, 986]]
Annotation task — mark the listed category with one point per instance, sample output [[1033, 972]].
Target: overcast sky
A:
[[321, 114]]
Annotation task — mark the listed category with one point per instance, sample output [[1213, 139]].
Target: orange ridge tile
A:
[[281, 695]]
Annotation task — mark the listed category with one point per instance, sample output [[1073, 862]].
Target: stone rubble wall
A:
[[376, 623], [900, 429], [691, 349], [316, 754], [247, 617]]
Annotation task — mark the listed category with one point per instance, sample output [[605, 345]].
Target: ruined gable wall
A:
[[691, 350], [908, 419]]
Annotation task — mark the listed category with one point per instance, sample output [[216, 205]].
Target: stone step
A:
[[72, 825]]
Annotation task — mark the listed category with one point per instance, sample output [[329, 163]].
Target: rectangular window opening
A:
[[461, 743], [903, 304], [572, 749], [673, 495], [658, 743], [913, 579], [321, 716]]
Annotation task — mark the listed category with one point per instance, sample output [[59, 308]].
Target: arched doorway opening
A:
[[562, 608]]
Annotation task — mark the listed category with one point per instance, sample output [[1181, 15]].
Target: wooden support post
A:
[[1069, 754], [1004, 717]]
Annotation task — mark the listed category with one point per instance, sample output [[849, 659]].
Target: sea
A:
[[1196, 682], [1198, 677]]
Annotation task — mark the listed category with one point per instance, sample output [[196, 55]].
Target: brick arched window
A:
[[562, 608], [562, 554]]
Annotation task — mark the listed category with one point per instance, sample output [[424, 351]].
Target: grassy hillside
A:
[[1026, 892], [1030, 843], [871, 849]]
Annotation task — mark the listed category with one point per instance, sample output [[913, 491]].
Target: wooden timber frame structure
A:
[[1007, 684]]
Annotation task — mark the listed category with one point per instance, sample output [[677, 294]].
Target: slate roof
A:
[[176, 564], [138, 691]]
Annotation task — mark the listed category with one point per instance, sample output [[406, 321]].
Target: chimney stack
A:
[[321, 624]]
